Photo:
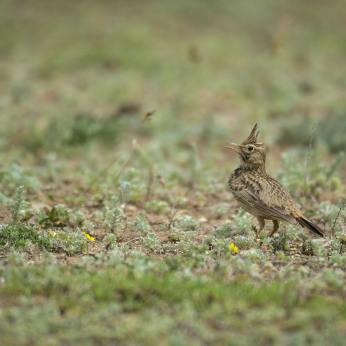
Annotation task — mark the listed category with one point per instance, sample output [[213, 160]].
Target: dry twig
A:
[[308, 162], [337, 216]]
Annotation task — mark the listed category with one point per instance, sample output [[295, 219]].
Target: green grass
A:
[[124, 233], [149, 301]]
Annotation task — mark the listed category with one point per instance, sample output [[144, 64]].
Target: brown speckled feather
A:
[[264, 194], [259, 193]]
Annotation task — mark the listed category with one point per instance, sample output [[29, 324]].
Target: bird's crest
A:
[[253, 137]]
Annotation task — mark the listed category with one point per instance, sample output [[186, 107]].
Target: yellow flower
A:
[[88, 236], [233, 248]]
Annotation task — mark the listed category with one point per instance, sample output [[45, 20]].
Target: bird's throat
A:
[[258, 168]]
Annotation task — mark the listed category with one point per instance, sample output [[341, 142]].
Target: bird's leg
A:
[[261, 225], [276, 227]]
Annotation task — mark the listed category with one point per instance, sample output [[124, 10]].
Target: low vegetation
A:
[[117, 225]]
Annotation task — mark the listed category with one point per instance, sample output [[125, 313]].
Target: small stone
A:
[[202, 219], [131, 207]]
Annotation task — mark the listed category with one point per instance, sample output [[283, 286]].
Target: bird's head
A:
[[252, 153]]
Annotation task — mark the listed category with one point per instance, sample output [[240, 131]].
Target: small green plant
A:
[[141, 224], [339, 242], [158, 207], [19, 208], [280, 242], [152, 241], [183, 235], [182, 228], [187, 223], [88, 226], [243, 242], [329, 210], [76, 218], [306, 248], [110, 241], [317, 248], [337, 259], [224, 231], [60, 216], [17, 236], [184, 245], [243, 222], [65, 239], [178, 201], [222, 247], [131, 187], [113, 219]]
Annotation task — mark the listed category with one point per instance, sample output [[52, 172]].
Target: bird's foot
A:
[[258, 233], [272, 233]]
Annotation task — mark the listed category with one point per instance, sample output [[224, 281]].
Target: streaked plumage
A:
[[260, 194]]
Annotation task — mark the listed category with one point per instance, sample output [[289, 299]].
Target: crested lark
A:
[[260, 194]]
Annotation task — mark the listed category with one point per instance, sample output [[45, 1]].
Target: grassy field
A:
[[117, 224]]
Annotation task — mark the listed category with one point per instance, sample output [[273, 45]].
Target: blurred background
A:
[[82, 81]]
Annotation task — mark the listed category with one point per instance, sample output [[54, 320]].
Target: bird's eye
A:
[[250, 148]]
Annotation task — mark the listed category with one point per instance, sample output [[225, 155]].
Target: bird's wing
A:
[[248, 199], [267, 196]]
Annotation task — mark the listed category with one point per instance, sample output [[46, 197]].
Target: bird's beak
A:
[[235, 147]]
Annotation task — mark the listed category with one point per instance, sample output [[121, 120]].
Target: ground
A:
[[117, 223]]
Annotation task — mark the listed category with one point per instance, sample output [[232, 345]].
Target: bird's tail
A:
[[303, 221]]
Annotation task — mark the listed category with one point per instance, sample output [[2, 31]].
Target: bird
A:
[[260, 194]]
